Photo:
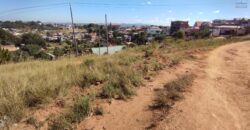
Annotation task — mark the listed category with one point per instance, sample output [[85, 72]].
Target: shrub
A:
[[32, 49], [7, 38], [44, 56], [58, 52], [19, 56], [80, 110], [157, 66], [60, 124], [31, 99], [32, 39], [121, 82], [179, 35], [5, 56], [175, 60]]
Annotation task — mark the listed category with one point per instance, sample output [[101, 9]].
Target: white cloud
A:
[[201, 13], [149, 2], [170, 11], [216, 11]]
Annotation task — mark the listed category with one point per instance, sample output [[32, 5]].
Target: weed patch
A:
[[79, 111], [172, 91]]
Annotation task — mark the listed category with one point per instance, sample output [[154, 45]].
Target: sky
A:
[[155, 12]]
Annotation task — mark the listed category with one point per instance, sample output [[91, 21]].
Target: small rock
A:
[[147, 78], [103, 128]]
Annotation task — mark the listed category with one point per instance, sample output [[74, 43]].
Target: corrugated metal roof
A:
[[103, 50]]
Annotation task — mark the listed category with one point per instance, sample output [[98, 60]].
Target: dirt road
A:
[[219, 99], [220, 96], [133, 114]]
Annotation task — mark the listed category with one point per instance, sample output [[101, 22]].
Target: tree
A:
[[204, 33], [160, 38], [7, 38], [58, 52], [179, 35], [33, 39], [32, 49], [140, 38]]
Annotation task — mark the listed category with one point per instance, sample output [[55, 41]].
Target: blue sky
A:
[[158, 12]]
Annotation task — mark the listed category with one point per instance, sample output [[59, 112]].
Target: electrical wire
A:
[[31, 7]]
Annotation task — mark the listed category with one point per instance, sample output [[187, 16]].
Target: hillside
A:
[[61, 94]]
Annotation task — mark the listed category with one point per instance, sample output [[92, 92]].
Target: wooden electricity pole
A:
[[107, 36], [73, 28]]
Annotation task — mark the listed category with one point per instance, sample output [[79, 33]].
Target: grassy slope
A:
[[29, 84]]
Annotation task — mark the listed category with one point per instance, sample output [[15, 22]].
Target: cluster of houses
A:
[[216, 27]]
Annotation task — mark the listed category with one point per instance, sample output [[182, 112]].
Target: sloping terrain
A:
[[220, 96]]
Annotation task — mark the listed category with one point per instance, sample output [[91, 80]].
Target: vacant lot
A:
[[28, 87]]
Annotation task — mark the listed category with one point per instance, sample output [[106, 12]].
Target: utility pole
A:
[[107, 40], [73, 28], [99, 40]]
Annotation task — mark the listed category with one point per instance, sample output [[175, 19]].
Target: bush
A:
[[32, 49], [7, 38], [19, 56], [179, 35], [121, 82], [5, 56], [58, 52], [80, 110], [60, 124], [43, 55], [91, 73], [31, 99], [32, 39]]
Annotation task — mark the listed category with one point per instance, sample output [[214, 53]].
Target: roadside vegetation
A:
[[29, 84], [168, 96], [172, 91]]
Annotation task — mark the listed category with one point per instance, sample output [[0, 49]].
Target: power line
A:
[[138, 5], [31, 7]]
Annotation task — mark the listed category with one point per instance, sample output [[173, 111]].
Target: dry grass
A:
[[172, 91], [29, 84]]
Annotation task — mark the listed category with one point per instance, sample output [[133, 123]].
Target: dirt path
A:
[[220, 96], [219, 99], [133, 114]]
